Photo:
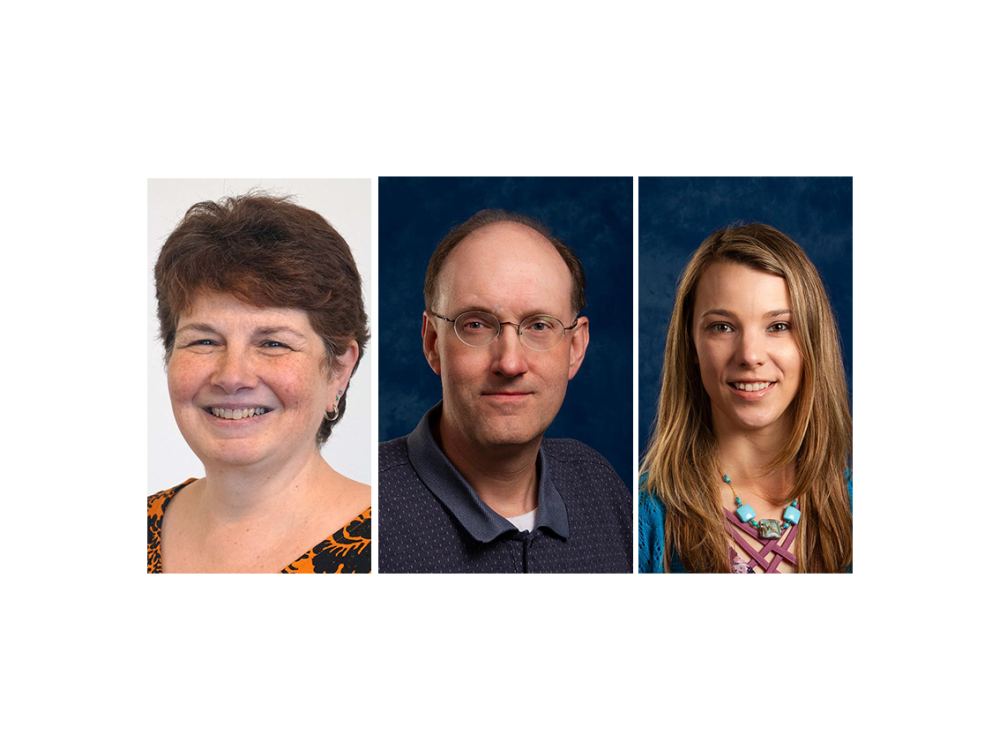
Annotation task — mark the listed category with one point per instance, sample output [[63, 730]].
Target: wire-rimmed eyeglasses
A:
[[538, 332]]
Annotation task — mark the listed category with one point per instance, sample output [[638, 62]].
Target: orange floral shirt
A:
[[345, 551]]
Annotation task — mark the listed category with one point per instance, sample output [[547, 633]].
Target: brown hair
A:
[[578, 297], [681, 462], [267, 252]]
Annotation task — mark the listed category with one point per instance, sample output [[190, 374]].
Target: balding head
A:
[[485, 219]]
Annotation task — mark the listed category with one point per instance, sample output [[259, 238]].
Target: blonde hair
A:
[[681, 460]]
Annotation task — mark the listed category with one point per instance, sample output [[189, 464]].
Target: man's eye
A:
[[201, 342], [540, 325], [475, 324], [274, 345]]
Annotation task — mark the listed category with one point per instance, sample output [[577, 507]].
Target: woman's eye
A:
[[781, 327], [720, 327], [274, 345]]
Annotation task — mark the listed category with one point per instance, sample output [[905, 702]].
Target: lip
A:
[[750, 395], [507, 396]]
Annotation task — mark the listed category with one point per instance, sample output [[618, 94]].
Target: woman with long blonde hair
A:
[[749, 466]]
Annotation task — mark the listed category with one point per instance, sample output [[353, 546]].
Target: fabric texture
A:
[[432, 521], [345, 551], [652, 517]]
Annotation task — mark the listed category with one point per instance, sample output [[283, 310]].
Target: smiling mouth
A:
[[759, 385], [752, 391], [248, 413]]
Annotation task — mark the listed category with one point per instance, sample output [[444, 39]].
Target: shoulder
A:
[[398, 481], [650, 505], [392, 453], [348, 550], [571, 461], [849, 476], [652, 515], [567, 450], [355, 496], [156, 502], [395, 472], [652, 511], [155, 505]]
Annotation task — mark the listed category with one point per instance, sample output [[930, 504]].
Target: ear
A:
[[579, 339], [431, 342], [340, 375]]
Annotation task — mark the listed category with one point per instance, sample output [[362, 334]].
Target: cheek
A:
[[556, 372], [463, 366], [791, 362], [183, 378], [711, 361], [298, 387]]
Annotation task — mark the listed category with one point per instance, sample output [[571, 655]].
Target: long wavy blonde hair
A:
[[682, 458]]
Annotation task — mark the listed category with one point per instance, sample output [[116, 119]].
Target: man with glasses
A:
[[475, 487]]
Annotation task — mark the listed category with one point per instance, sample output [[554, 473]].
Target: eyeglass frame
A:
[[502, 323]]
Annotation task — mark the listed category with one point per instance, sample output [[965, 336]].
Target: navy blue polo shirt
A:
[[430, 520]]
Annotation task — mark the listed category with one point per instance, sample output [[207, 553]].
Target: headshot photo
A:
[[505, 375], [745, 411], [259, 391]]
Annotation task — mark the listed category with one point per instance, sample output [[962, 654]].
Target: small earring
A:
[[336, 409]]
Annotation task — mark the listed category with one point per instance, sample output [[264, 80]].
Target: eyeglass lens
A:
[[539, 332]]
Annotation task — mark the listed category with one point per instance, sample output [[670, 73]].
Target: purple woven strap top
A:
[[780, 548]]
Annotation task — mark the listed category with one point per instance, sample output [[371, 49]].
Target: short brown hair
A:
[[578, 297], [268, 252]]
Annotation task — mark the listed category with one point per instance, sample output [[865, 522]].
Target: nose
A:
[[234, 371], [753, 349], [509, 358]]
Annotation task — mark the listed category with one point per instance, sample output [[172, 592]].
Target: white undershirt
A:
[[526, 521]]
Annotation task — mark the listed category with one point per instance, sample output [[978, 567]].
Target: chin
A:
[[752, 421], [231, 457], [504, 435]]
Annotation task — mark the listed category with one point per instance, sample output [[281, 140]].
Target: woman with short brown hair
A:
[[263, 324]]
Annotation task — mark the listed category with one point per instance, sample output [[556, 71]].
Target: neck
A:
[[253, 494], [747, 457], [505, 477]]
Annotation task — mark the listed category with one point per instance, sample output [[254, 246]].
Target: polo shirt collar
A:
[[456, 494]]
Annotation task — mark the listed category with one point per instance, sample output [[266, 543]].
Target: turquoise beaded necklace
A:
[[767, 528]]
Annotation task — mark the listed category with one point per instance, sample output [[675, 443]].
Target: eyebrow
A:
[[262, 331], [729, 314], [525, 316]]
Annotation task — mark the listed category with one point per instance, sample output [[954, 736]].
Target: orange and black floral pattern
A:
[[345, 551]]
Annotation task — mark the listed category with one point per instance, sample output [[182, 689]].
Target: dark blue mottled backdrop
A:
[[677, 213], [593, 215]]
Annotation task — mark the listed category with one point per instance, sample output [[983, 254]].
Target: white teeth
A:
[[238, 413], [752, 386]]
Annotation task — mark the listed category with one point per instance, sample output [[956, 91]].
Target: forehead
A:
[[740, 289], [505, 267], [218, 309]]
